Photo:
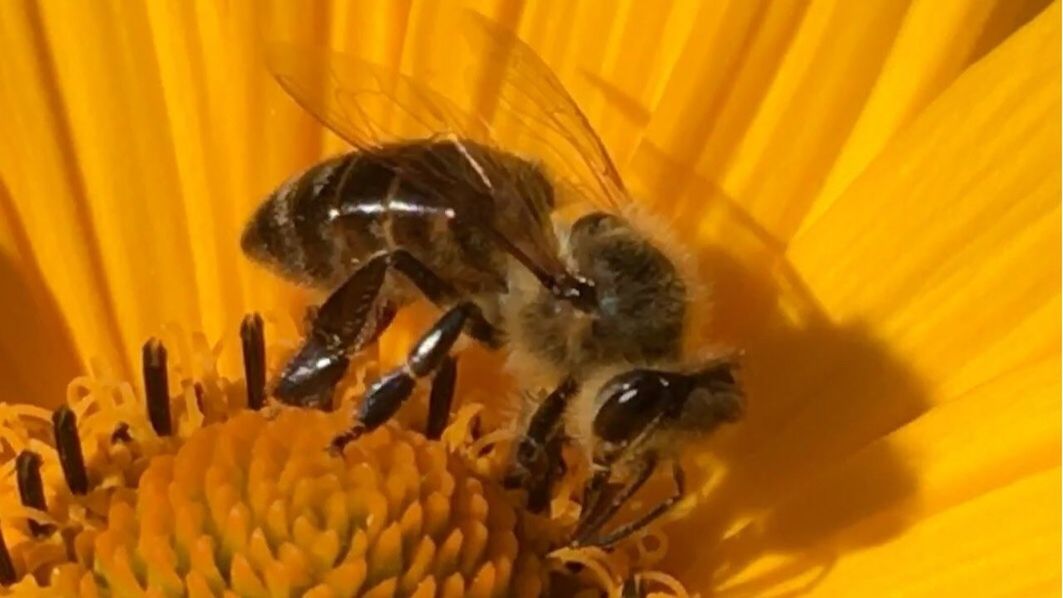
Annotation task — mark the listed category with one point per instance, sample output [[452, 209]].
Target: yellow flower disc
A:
[[193, 494], [258, 507]]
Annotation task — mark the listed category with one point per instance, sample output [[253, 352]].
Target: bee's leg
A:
[[383, 314], [601, 511], [429, 353], [594, 494], [541, 489], [662, 507], [443, 295], [339, 326], [537, 462], [441, 397]]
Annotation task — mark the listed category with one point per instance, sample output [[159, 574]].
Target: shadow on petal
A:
[[810, 460], [37, 354]]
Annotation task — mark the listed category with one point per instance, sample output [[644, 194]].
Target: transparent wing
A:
[[504, 95], [374, 108], [364, 103], [548, 122]]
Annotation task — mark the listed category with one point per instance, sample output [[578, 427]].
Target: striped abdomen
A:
[[317, 228]]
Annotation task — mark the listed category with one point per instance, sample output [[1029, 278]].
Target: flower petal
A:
[[37, 353], [949, 241], [969, 193], [785, 98], [997, 436], [44, 195], [1004, 542]]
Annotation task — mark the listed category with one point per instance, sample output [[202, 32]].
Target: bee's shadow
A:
[[811, 472]]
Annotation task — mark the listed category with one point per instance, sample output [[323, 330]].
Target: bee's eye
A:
[[631, 401]]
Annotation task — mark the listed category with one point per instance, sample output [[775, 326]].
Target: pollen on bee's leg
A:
[[253, 342], [68, 445], [31, 488], [7, 568], [156, 387]]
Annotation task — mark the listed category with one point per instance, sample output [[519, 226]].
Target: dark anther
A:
[[201, 394], [254, 346], [121, 433], [31, 488], [440, 398], [68, 444], [475, 427], [156, 387], [7, 568]]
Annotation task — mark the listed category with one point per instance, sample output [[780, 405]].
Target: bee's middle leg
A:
[[429, 356], [442, 294], [354, 316]]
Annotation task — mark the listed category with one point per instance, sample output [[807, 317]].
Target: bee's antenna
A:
[[575, 289]]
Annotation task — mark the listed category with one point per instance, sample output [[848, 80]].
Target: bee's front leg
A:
[[538, 463], [649, 464]]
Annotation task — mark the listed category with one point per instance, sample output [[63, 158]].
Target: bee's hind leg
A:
[[346, 321], [442, 295], [429, 355]]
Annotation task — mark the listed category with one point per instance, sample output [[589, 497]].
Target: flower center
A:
[[208, 492]]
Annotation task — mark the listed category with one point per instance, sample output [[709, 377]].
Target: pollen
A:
[[198, 487]]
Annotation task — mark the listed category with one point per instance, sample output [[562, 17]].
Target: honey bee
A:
[[591, 309]]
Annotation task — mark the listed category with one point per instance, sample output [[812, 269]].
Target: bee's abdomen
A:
[[298, 231]]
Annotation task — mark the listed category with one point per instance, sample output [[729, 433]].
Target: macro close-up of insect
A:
[[590, 308], [466, 298]]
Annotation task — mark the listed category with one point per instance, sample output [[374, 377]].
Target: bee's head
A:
[[633, 406]]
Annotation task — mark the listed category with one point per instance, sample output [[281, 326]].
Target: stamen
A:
[[442, 396], [475, 427], [156, 387], [31, 488], [121, 434], [7, 568], [254, 347], [68, 445], [201, 394]]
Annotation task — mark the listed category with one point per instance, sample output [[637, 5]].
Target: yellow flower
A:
[[885, 252]]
